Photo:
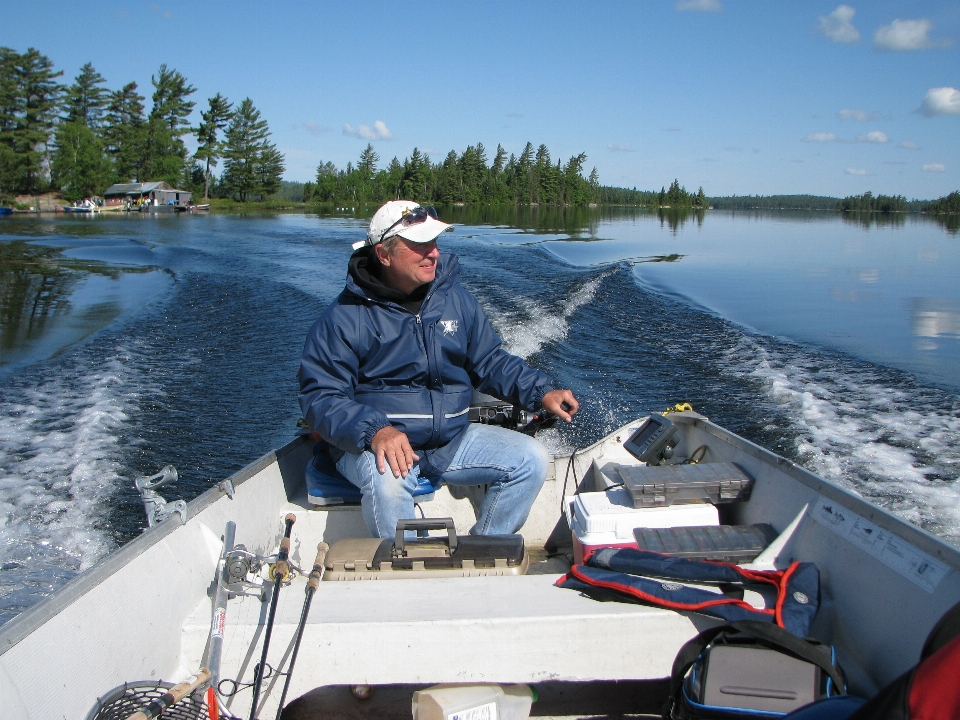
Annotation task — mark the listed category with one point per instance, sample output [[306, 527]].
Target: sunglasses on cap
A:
[[412, 216]]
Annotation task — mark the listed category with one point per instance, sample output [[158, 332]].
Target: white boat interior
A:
[[144, 613]]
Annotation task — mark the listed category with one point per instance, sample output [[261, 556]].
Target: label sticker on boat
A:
[[487, 711], [894, 552]]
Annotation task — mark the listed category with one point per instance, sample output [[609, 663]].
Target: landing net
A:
[[133, 697]]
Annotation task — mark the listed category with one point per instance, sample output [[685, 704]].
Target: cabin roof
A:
[[138, 188]]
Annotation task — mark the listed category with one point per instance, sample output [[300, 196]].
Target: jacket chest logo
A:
[[449, 326]]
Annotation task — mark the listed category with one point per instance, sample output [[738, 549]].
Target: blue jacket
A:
[[368, 363]]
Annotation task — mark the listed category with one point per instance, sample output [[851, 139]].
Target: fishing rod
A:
[[278, 573], [315, 576], [217, 622], [172, 696]]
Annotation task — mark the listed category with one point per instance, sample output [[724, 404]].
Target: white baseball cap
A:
[[406, 219]]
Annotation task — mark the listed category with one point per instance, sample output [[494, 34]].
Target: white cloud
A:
[[820, 137], [874, 136], [861, 115], [379, 131], [909, 145], [934, 167], [613, 147], [699, 6], [940, 101], [906, 35], [314, 129], [838, 26], [856, 171]]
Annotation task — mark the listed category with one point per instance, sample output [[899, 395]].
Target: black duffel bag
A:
[[750, 669]]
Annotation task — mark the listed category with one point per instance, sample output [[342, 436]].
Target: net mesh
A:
[[133, 697]]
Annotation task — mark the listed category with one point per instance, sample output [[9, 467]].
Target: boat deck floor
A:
[[602, 700]]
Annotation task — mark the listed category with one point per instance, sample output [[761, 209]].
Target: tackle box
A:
[[421, 557], [665, 485], [727, 543], [608, 519]]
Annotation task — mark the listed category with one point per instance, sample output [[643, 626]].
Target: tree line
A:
[[674, 197], [81, 138], [467, 177]]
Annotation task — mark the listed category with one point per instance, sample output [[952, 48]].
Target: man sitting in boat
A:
[[388, 373]]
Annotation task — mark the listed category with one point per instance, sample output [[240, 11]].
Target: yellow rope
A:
[[679, 407]]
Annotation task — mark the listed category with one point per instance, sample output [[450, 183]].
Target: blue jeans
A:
[[514, 466]]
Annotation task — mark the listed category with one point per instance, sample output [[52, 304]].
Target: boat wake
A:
[[873, 430], [536, 323], [62, 446]]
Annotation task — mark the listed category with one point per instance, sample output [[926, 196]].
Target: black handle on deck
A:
[[427, 524]]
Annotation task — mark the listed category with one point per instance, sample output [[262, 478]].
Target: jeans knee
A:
[[535, 462]]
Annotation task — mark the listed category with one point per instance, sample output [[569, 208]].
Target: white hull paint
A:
[[144, 612]]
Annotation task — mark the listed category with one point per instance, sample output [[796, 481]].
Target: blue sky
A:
[[738, 97]]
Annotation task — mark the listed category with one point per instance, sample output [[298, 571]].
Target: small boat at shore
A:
[[145, 612], [6, 210], [81, 209]]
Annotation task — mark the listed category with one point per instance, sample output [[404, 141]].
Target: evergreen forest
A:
[[80, 138]]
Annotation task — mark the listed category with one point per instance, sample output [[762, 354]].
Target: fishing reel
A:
[[242, 572]]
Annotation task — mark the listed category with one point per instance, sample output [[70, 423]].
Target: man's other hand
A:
[[392, 447], [561, 403]]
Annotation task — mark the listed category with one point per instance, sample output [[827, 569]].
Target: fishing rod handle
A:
[[317, 571], [174, 695], [281, 569]]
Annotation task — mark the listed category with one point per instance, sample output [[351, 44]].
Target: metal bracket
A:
[[226, 486], [156, 508]]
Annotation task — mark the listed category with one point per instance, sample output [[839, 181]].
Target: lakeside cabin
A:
[[151, 193]]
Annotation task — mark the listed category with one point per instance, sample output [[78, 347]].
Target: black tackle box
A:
[[405, 558], [663, 485], [727, 543]]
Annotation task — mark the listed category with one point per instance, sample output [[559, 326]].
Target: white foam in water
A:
[[526, 331], [899, 447], [60, 464]]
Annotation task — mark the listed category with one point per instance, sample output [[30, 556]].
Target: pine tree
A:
[[125, 133], [85, 101], [252, 164], [29, 95], [170, 102], [210, 149], [164, 152]]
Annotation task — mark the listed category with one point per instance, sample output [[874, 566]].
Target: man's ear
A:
[[382, 255]]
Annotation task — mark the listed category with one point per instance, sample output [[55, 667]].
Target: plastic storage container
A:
[[665, 485], [727, 543], [473, 702], [608, 519]]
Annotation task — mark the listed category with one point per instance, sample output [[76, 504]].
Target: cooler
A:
[[608, 519]]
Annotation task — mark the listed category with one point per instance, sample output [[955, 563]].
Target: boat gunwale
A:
[[21, 626], [922, 539]]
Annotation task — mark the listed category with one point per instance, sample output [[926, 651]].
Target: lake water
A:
[[132, 342]]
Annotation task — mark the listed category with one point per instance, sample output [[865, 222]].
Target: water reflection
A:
[[675, 218], [934, 317], [49, 301], [34, 288], [874, 219]]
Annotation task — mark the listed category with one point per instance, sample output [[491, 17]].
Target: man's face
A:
[[410, 265]]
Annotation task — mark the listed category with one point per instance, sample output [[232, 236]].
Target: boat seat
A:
[[485, 629]]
